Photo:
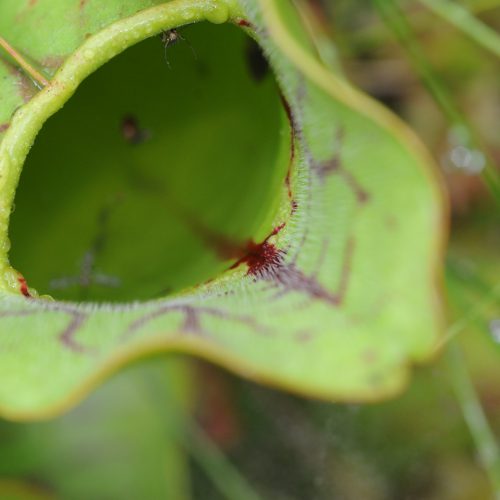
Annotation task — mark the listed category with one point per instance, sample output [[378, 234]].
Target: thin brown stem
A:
[[35, 75]]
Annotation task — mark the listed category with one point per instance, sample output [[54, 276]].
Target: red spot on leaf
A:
[[192, 322], [293, 133], [288, 184], [334, 166], [4, 127], [53, 62], [244, 23], [261, 257], [67, 337], [23, 287], [266, 262], [25, 86]]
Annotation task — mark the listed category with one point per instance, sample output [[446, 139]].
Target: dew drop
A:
[[88, 54], [4, 245], [11, 278], [218, 14], [495, 330], [460, 155], [470, 161]]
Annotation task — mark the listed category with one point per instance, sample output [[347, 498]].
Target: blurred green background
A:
[[177, 428]]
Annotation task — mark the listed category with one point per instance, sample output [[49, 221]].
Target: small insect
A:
[[86, 278], [170, 38], [132, 132], [87, 273]]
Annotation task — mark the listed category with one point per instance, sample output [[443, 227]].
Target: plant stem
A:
[[218, 468], [34, 74], [462, 19], [490, 297], [478, 6], [466, 394], [396, 21], [476, 420]]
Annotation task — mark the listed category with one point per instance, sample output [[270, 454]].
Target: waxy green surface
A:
[[336, 226]]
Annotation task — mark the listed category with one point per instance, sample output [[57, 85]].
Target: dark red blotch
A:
[[261, 257], [23, 287], [244, 23]]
